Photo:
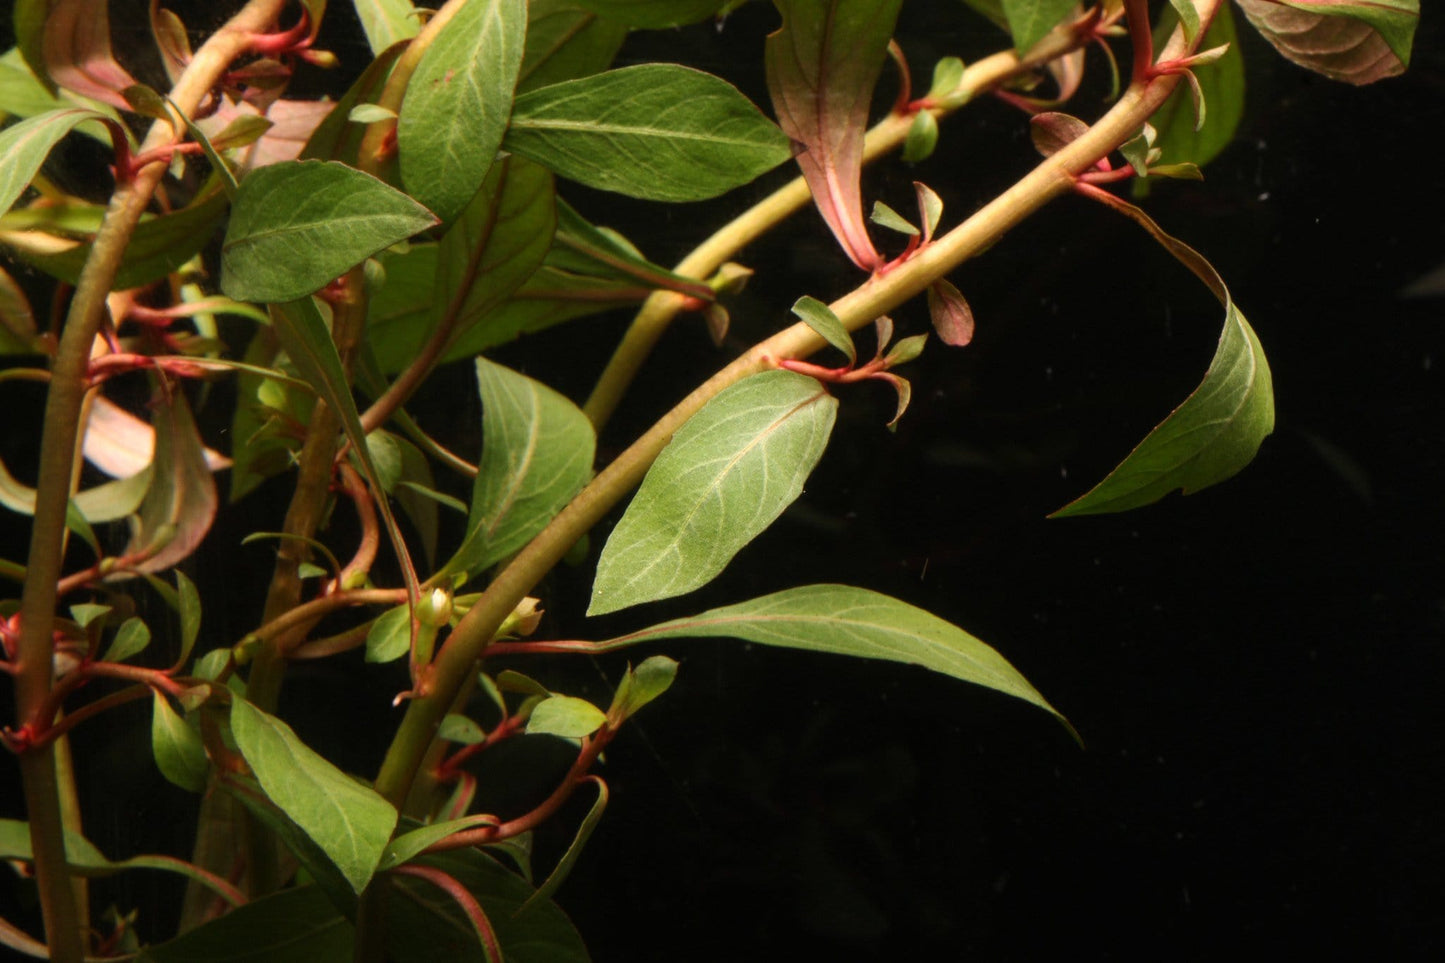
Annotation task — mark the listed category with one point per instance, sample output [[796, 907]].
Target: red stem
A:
[[463, 897]]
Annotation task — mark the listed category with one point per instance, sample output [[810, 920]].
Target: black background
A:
[[1254, 669]]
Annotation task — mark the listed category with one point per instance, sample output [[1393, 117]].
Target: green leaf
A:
[[537, 451], [410, 843], [348, 820], [309, 854], [426, 925], [1188, 15], [822, 320], [24, 147], [130, 639], [499, 239], [29, 23], [297, 925], [922, 137], [298, 225], [369, 114], [390, 636], [725, 476], [655, 131], [459, 729], [565, 716], [22, 94], [560, 872], [1215, 432], [1357, 41], [179, 753], [17, 321], [1030, 20], [885, 216], [336, 137], [46, 238], [653, 14], [641, 685], [850, 621], [565, 42], [87, 612], [822, 66], [386, 22], [457, 103], [1222, 83]]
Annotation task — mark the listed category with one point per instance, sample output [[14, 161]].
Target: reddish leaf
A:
[[292, 124], [120, 444], [952, 317], [1350, 40], [822, 65], [1052, 132], [76, 48], [181, 503]]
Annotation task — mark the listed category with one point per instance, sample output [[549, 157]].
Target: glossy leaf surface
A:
[[348, 820], [1357, 41], [457, 103], [852, 621], [1215, 432], [653, 13], [655, 131], [297, 226], [822, 66], [537, 451], [725, 476]]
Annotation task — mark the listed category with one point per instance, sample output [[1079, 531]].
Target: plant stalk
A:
[[69, 383]]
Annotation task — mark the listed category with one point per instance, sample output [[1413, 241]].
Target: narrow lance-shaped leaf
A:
[[725, 476], [655, 131], [386, 22], [76, 48], [822, 65], [559, 874], [24, 147], [1357, 41], [348, 820], [537, 451], [1218, 428], [565, 42], [1222, 85], [849, 621], [821, 319], [456, 105], [298, 225]]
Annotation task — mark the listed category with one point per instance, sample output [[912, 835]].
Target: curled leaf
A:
[[76, 48], [1356, 41], [1053, 131]]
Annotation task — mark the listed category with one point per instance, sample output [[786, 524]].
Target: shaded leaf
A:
[[178, 751], [180, 504], [1030, 20], [1357, 41], [826, 324], [459, 729], [172, 41], [559, 873], [456, 106], [17, 321], [1222, 85], [922, 137], [655, 131], [537, 451], [259, 141], [24, 147], [298, 225], [1215, 432], [390, 635], [653, 14], [850, 621], [188, 607], [23, 94], [349, 821], [565, 42], [336, 137], [822, 65], [386, 22], [725, 476], [121, 445], [130, 639], [76, 48], [412, 842], [298, 925], [28, 19], [1052, 131], [951, 315]]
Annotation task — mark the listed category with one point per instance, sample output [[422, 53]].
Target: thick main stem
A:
[[64, 929]]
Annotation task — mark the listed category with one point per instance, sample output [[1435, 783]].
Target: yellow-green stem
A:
[[64, 929]]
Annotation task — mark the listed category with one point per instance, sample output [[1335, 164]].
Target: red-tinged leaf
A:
[[171, 40], [1356, 41], [181, 503], [905, 394], [1052, 131], [952, 317], [120, 444], [292, 124], [822, 65], [76, 49]]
